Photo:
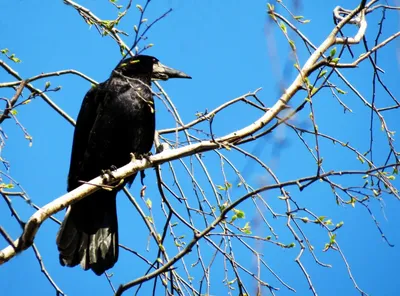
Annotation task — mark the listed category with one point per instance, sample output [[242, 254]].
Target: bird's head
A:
[[148, 65]]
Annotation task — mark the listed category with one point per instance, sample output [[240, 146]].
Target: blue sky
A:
[[229, 49]]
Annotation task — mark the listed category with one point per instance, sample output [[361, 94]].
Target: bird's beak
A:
[[162, 72]]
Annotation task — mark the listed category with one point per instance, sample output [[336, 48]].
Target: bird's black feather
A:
[[117, 118]]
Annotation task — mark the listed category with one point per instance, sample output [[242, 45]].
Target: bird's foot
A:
[[140, 156], [147, 156], [107, 175]]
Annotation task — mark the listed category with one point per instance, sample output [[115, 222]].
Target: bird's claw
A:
[[140, 156], [107, 175]]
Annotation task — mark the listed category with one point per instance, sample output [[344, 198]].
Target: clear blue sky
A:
[[229, 50]]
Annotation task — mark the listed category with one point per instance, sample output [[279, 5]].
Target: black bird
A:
[[116, 118]]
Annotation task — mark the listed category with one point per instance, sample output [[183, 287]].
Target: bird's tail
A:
[[89, 234]]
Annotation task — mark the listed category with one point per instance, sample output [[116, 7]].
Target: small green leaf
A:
[[7, 186], [5, 50], [14, 59], [291, 245], [222, 188], [340, 224], [332, 52], [240, 214], [335, 60], [314, 90], [283, 27], [246, 229], [292, 45], [149, 203], [322, 73], [47, 85], [223, 206], [341, 91], [14, 112]]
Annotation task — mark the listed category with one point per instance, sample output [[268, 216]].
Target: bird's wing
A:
[[84, 124]]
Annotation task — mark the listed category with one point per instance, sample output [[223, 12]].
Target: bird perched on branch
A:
[[116, 118]]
